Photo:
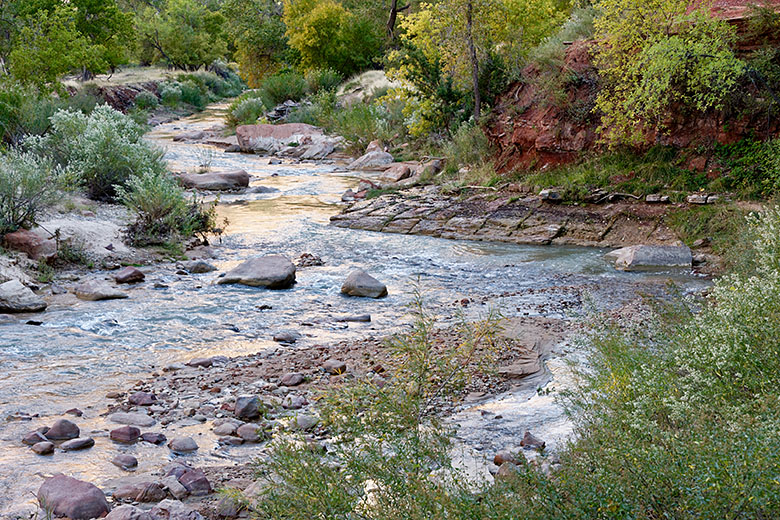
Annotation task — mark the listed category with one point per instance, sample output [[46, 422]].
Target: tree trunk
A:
[[394, 10], [473, 58]]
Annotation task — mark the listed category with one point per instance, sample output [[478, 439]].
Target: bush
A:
[[163, 214], [170, 93], [322, 79], [99, 151], [245, 111], [753, 167], [280, 87], [468, 147], [192, 94], [145, 100], [28, 185]]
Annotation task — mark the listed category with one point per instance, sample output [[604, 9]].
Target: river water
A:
[[85, 349]]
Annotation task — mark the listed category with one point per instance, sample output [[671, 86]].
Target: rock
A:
[[359, 318], [32, 244], [397, 172], [174, 510], [128, 512], [286, 337], [374, 158], [75, 412], [82, 443], [504, 456], [657, 198], [225, 429], [550, 195], [15, 297], [292, 379], [250, 432], [272, 271], [253, 137], [194, 135], [43, 448], [712, 199], [334, 367], [174, 487], [701, 242], [154, 438], [507, 470], [697, 198], [646, 257], [35, 437], [125, 462], [431, 168], [309, 260], [142, 399], [129, 274], [230, 441], [306, 422], [228, 507], [63, 430], [151, 492], [182, 445], [137, 419], [196, 482], [200, 362], [294, 402], [531, 442], [247, 407], [95, 290], [199, 267], [360, 283], [125, 434], [215, 181], [72, 498], [348, 196]]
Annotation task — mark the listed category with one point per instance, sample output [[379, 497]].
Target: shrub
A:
[[192, 94], [469, 146], [170, 93], [753, 166], [145, 100], [28, 185], [163, 214], [99, 151], [281, 87], [322, 79], [245, 111]]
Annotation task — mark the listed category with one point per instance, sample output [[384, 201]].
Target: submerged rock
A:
[[125, 462], [15, 297], [129, 274], [272, 271], [137, 419], [360, 283], [82, 443], [95, 290], [75, 499], [646, 257], [216, 181]]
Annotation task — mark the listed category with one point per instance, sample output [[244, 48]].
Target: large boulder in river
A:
[[271, 271], [63, 430], [96, 290], [360, 283], [15, 297], [215, 181], [249, 136], [646, 257], [66, 496], [374, 158]]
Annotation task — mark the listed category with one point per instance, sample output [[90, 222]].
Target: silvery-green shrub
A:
[[28, 185]]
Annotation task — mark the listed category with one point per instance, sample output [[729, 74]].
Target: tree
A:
[[326, 34], [654, 55], [186, 34], [257, 30]]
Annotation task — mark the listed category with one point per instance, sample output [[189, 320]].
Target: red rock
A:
[[196, 482], [63, 430], [129, 274], [32, 244], [75, 499], [142, 399], [292, 379], [125, 434], [154, 438]]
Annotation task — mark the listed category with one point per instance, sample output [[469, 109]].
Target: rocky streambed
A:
[[187, 358]]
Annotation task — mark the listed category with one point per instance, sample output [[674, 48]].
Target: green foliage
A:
[[654, 57], [245, 111], [28, 185], [322, 79], [145, 100], [752, 167], [163, 214], [170, 93], [192, 94], [469, 147], [185, 34], [100, 151], [280, 87], [326, 34]]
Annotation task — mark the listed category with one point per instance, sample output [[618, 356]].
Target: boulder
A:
[[142, 399], [287, 337], [128, 512], [360, 283], [82, 443], [374, 158], [174, 487], [397, 172], [129, 274], [32, 244], [137, 419], [174, 510], [271, 271], [154, 438], [247, 407], [96, 290], [306, 422], [215, 181], [227, 428], [125, 434], [646, 257], [125, 462], [15, 297], [183, 445], [151, 492], [63, 430], [250, 137], [250, 432], [195, 481], [292, 379], [43, 448], [199, 267], [75, 499], [36, 436]]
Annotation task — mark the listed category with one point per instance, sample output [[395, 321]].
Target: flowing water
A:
[[85, 349]]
